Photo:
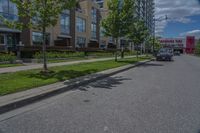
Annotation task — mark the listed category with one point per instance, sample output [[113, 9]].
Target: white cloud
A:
[[176, 10], [195, 33]]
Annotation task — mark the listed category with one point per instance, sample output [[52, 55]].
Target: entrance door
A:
[[10, 40], [2, 39]]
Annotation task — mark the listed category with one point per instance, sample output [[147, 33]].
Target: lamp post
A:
[[154, 34]]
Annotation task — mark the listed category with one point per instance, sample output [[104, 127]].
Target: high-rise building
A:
[[145, 11]]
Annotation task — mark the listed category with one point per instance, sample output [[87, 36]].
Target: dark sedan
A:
[[177, 53], [164, 55]]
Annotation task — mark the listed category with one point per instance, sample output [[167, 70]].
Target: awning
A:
[[95, 40], [64, 36]]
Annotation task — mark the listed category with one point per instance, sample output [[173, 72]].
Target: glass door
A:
[[10, 40], [2, 39]]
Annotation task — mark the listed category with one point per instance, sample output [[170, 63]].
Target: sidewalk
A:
[[37, 66]]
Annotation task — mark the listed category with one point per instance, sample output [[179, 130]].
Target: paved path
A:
[[37, 66], [159, 97]]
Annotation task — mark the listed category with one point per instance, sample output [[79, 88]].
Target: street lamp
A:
[[154, 34]]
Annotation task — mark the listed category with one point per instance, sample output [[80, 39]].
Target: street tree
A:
[[153, 42], [39, 14], [117, 22], [197, 48], [138, 33]]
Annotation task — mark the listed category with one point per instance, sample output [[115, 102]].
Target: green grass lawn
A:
[[73, 59], [23, 80], [66, 60], [90, 55], [9, 65]]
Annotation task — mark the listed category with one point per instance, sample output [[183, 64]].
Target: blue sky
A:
[[184, 18]]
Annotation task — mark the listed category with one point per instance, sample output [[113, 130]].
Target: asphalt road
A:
[[159, 97]]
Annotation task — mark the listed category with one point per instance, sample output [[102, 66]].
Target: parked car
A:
[[177, 53], [164, 54]]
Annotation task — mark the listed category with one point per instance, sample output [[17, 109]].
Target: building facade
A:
[[184, 45], [105, 42], [9, 37], [77, 28], [145, 11], [91, 23]]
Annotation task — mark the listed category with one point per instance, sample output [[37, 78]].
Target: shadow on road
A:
[[107, 83], [151, 64]]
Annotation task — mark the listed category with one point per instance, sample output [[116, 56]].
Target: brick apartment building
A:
[[77, 28]]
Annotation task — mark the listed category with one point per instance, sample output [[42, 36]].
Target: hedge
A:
[[7, 57]]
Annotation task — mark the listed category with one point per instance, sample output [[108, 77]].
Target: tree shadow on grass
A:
[[62, 75]]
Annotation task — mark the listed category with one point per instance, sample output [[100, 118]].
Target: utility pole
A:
[[154, 32]]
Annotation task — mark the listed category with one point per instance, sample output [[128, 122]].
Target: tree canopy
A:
[[138, 32], [116, 24], [39, 14], [118, 19], [197, 48]]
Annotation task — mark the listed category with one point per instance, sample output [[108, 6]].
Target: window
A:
[[37, 38], [94, 21], [80, 24], [103, 44], [100, 4], [1, 39], [110, 39], [94, 30], [102, 31], [8, 10], [94, 15], [80, 42], [65, 22]]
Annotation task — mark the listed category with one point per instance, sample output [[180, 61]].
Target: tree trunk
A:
[[116, 42], [122, 52], [44, 49], [137, 52]]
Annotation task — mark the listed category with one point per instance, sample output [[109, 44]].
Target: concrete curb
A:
[[17, 100]]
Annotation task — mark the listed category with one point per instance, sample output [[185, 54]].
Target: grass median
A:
[[23, 80]]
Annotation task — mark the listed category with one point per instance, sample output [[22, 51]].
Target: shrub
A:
[[52, 55], [129, 53], [197, 48], [7, 57], [101, 54], [27, 54]]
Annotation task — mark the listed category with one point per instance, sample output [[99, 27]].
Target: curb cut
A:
[[63, 87]]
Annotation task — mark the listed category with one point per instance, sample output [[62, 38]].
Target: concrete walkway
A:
[[37, 66]]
